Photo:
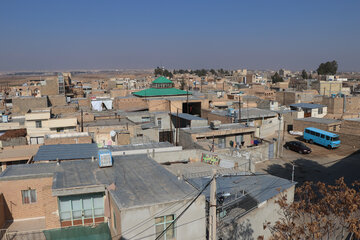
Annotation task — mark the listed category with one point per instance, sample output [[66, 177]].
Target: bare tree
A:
[[320, 212]]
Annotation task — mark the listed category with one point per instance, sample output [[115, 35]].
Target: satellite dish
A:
[[112, 133]]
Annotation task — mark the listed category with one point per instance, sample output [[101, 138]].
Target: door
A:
[[271, 150]]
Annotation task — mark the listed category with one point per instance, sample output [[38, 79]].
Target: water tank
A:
[[105, 158]]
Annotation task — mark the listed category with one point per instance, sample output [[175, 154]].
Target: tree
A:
[[310, 76], [304, 74], [320, 212], [213, 72], [158, 72], [182, 84], [276, 78], [328, 68]]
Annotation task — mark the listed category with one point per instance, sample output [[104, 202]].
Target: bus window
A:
[[312, 133], [327, 138], [335, 139], [307, 131], [322, 136], [317, 134]]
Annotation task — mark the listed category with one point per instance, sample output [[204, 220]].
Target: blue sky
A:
[[86, 34]]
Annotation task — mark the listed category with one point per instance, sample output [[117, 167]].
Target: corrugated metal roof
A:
[[188, 116], [66, 152], [260, 187], [307, 105], [153, 92], [162, 80]]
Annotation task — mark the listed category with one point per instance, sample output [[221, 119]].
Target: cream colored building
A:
[[330, 87], [39, 123]]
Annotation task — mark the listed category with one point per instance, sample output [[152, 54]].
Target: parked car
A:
[[297, 146]]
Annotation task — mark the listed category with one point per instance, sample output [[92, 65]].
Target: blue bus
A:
[[324, 138]]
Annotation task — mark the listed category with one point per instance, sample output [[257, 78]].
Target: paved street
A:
[[320, 165]]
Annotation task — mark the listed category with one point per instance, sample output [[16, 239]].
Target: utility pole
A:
[[187, 100], [212, 208], [177, 126], [283, 137], [239, 108], [278, 140], [82, 121], [171, 131]]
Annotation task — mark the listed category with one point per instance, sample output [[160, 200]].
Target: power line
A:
[[152, 216], [175, 220]]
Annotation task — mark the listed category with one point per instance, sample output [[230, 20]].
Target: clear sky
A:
[[268, 34]]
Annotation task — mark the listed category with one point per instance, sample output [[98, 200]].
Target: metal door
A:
[[271, 150]]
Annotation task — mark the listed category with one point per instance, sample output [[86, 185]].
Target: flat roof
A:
[[139, 180], [250, 113], [18, 153], [188, 116], [230, 126], [108, 122], [307, 105], [260, 187], [149, 145], [319, 120]]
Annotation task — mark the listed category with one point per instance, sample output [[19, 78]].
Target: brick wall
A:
[[45, 206], [2, 210], [57, 100], [22, 105], [68, 140], [207, 114]]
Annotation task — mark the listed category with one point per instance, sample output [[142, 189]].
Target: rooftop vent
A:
[[215, 124]]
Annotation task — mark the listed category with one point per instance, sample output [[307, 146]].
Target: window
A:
[[81, 209], [334, 128], [307, 131], [312, 133], [327, 138], [317, 134], [161, 223], [159, 122], [38, 124], [114, 220], [59, 129], [145, 119], [28, 196], [320, 110], [322, 136]]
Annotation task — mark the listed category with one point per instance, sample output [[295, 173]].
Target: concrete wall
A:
[[9, 126], [194, 155], [46, 205], [192, 225], [250, 226], [315, 112], [13, 142]]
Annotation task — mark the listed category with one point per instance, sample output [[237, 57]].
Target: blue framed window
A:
[[161, 223], [85, 208]]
